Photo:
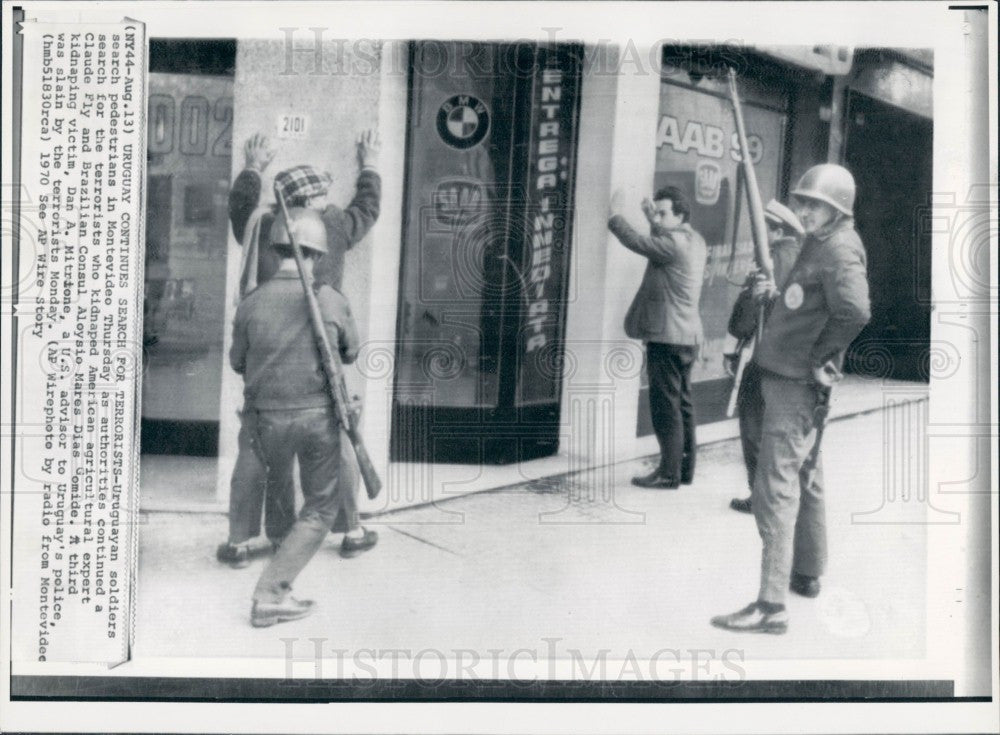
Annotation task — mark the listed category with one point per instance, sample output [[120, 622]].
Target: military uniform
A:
[[285, 388], [822, 308], [743, 325]]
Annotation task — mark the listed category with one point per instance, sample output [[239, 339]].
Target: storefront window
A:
[[490, 159], [697, 151], [189, 160], [453, 270]]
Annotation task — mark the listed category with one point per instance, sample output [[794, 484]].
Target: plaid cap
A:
[[302, 181]]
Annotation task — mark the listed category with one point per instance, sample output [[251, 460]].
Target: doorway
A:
[[189, 158], [890, 153], [491, 152]]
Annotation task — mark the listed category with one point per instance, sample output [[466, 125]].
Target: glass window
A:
[[189, 160], [453, 262]]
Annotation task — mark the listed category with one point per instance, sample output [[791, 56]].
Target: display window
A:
[[189, 161], [697, 150], [490, 155]]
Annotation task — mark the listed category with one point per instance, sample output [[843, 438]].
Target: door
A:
[[894, 179], [488, 207]]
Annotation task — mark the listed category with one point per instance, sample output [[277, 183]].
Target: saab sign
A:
[[707, 140]]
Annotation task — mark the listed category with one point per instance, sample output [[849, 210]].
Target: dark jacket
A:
[[823, 306], [274, 348], [743, 319], [344, 227], [665, 309]]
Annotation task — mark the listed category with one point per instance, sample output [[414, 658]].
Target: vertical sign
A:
[[548, 225], [78, 316]]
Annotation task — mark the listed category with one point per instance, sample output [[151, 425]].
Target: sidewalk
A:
[[623, 569]]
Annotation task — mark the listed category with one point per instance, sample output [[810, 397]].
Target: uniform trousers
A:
[[313, 436], [251, 491], [670, 406], [787, 491], [750, 408]]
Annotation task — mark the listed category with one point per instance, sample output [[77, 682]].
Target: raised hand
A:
[[369, 146], [258, 152]]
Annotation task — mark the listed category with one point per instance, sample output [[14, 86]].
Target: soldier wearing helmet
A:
[[285, 392], [302, 186], [784, 236], [812, 320]]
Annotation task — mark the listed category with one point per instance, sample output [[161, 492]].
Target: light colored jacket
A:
[[665, 308]]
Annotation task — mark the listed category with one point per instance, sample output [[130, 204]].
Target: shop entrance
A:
[[190, 113], [491, 154], [697, 151], [894, 177]]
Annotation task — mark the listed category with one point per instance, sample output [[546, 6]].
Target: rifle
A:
[[758, 228], [334, 369]]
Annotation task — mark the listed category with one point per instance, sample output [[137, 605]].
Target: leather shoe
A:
[[656, 480], [236, 556], [804, 585], [687, 472], [753, 619], [741, 505], [264, 614], [351, 547]]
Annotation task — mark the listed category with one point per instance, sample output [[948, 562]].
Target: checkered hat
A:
[[301, 181]]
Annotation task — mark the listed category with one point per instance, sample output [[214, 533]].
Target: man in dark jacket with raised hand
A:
[[822, 308], [664, 315]]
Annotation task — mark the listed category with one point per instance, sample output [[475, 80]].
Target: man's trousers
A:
[[313, 436], [251, 492], [787, 491], [670, 406]]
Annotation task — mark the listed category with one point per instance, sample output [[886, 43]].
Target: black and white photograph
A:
[[571, 354]]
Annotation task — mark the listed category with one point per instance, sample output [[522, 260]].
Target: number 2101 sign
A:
[[293, 126]]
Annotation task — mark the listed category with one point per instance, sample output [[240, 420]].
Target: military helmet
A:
[[307, 225], [828, 183], [777, 213]]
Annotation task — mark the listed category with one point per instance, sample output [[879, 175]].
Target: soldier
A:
[[664, 314], [822, 309], [784, 236], [302, 186], [285, 391]]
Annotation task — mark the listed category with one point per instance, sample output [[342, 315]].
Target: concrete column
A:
[[632, 139], [376, 363]]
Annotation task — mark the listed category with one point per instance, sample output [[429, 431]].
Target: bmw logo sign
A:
[[463, 121]]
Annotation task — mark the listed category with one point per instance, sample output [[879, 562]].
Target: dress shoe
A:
[[264, 614], [804, 585], [656, 480], [236, 556], [741, 505], [753, 619], [687, 471], [351, 547]]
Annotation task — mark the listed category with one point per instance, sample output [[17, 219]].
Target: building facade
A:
[[490, 296]]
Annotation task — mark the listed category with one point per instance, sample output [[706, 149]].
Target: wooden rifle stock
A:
[[332, 365], [758, 227]]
